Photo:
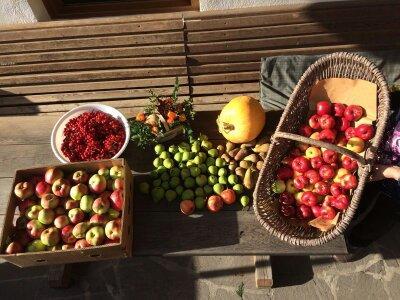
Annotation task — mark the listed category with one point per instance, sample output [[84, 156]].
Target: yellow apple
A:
[[339, 174], [290, 188], [355, 144], [312, 152]]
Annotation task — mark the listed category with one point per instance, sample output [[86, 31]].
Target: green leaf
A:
[[240, 290]]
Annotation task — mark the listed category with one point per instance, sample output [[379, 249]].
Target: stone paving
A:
[[375, 276]]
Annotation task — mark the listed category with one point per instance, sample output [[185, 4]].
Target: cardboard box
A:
[[110, 251]]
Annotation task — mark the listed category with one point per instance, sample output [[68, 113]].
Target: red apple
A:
[[327, 135], [25, 204], [80, 176], [328, 212], [316, 162], [327, 200], [76, 215], [326, 122], [66, 234], [23, 190], [304, 212], [52, 175], [187, 206], [80, 230], [59, 210], [61, 187], [70, 204], [336, 189], [315, 136], [117, 200], [341, 140], [316, 210], [295, 152], [349, 164], [49, 201], [61, 221], [329, 156], [117, 184], [322, 188], [350, 132], [365, 132], [312, 176], [355, 144], [341, 202], [284, 173], [286, 199], [81, 244], [13, 248], [301, 164], [42, 188], [305, 130], [353, 112], [326, 172], [338, 109], [113, 230], [97, 183], [214, 203], [313, 122], [34, 229], [349, 182], [99, 219], [309, 199], [323, 108], [228, 196], [287, 210], [342, 124], [300, 182]]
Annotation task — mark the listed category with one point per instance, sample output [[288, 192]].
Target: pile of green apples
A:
[[195, 174]]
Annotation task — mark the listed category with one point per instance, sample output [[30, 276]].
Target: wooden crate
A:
[[117, 250]]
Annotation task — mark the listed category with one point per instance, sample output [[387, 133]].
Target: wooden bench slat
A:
[[156, 61], [91, 75], [89, 30], [366, 37], [92, 86], [218, 68], [289, 30], [225, 77], [90, 54], [212, 89], [85, 96], [97, 42], [284, 18]]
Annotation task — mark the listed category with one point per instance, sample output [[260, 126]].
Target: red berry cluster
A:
[[315, 182], [92, 136]]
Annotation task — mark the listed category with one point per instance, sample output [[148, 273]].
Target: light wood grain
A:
[[263, 271]]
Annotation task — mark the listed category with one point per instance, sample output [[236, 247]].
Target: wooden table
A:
[[49, 68]]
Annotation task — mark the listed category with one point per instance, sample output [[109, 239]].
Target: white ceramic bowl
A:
[[57, 134]]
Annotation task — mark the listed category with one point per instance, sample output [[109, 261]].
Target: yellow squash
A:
[[241, 120]]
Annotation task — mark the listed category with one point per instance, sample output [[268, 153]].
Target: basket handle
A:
[[299, 138]]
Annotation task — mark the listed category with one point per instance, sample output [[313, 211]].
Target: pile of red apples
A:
[[59, 212], [315, 182]]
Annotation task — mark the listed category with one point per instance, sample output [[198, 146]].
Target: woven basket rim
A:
[[383, 98]]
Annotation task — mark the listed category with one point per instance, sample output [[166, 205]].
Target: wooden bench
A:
[[49, 68]]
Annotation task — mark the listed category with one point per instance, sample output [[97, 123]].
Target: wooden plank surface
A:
[[263, 271]]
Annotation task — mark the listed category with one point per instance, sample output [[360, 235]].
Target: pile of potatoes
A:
[[246, 160]]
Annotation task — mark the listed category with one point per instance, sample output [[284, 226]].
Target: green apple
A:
[[113, 214], [50, 236], [80, 230], [104, 172], [32, 212], [46, 216], [278, 186], [86, 203], [36, 246], [78, 191], [117, 172], [95, 235]]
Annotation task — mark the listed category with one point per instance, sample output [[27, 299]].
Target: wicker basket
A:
[[336, 65]]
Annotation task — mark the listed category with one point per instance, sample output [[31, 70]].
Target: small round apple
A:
[[215, 203], [36, 246], [312, 152], [46, 216], [71, 204], [113, 230], [117, 172], [34, 228], [61, 187], [86, 203], [97, 184], [101, 205], [81, 244], [95, 235], [67, 246], [80, 230], [23, 190], [52, 175], [49, 201], [104, 172], [13, 248], [355, 144], [113, 214], [66, 234], [80, 176], [61, 221], [97, 219], [78, 191], [42, 188], [32, 212], [50, 236], [76, 215], [117, 200]]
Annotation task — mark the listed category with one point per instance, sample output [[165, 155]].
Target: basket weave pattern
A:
[[336, 65]]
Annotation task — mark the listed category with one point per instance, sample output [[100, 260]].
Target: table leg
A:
[[263, 271]]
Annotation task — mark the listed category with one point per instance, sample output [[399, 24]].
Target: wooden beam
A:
[[263, 271]]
